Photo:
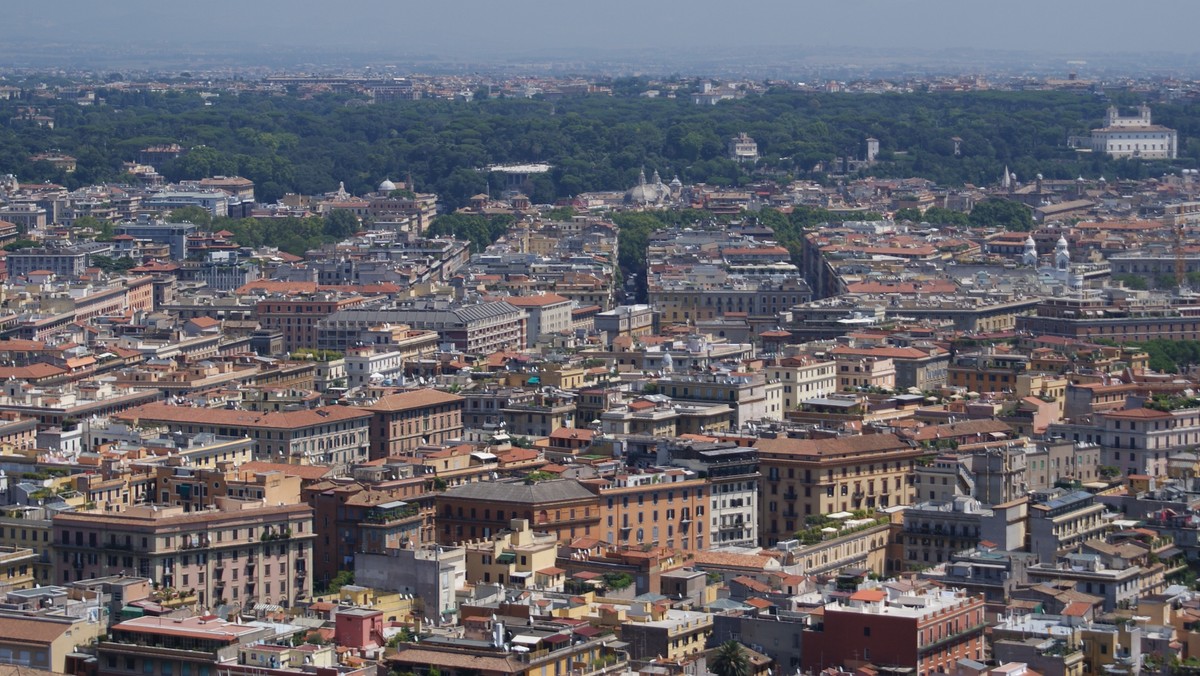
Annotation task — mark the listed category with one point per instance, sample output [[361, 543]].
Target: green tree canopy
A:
[[481, 231], [1002, 213], [199, 216], [340, 224], [730, 660]]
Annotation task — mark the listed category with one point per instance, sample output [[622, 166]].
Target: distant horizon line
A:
[[375, 50]]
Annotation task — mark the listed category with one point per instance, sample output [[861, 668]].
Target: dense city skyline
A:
[[467, 339]]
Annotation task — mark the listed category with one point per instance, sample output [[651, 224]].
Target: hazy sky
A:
[[450, 27]]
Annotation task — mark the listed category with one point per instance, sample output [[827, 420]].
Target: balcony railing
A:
[[951, 638]]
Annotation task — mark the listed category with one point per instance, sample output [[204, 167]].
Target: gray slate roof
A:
[[519, 492]]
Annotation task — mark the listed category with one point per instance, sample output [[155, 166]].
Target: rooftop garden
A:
[[822, 527], [1168, 403]]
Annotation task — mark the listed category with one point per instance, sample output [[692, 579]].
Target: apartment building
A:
[[296, 317], [549, 313], [551, 650], [17, 569], [197, 488], [1136, 439], [329, 435], [402, 422], [660, 507], [241, 551], [677, 635], [66, 262], [658, 416], [353, 516], [1059, 460], [481, 328], [204, 645], [858, 545], [386, 354], [733, 478], [685, 300], [984, 571], [41, 642], [925, 632], [632, 321], [565, 508], [805, 477], [540, 415], [933, 532], [803, 378], [1091, 318], [482, 406], [990, 372], [1118, 585], [1060, 522], [29, 527], [752, 396], [856, 371], [516, 557]]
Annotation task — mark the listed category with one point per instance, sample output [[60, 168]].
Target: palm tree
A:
[[730, 660]]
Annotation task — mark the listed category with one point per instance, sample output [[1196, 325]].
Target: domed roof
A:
[[1062, 242], [644, 193], [1029, 243], [387, 186]]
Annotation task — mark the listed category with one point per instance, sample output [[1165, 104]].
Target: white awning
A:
[[526, 640]]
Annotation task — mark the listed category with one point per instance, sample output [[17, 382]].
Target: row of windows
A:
[[773, 473]]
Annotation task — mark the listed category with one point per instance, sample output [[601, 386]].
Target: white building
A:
[[366, 367], [1134, 137], [804, 379], [549, 313], [743, 148]]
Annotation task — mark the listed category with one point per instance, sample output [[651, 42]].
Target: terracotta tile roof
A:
[[404, 401], [728, 560], [1136, 413], [866, 443], [869, 595], [289, 420], [458, 661], [22, 345], [31, 371], [752, 584], [966, 428], [573, 433], [204, 322], [305, 472], [269, 286], [882, 352], [518, 455], [26, 629], [541, 300]]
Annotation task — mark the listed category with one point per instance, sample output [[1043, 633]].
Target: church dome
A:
[[387, 186], [1062, 242], [644, 193]]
